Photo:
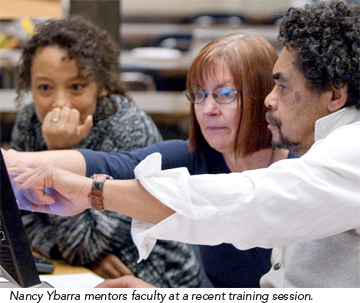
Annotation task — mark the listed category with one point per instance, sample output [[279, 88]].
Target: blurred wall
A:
[[178, 8]]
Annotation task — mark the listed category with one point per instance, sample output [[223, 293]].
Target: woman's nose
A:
[[60, 99], [210, 104]]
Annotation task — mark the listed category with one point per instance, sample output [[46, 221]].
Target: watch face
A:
[[98, 185]]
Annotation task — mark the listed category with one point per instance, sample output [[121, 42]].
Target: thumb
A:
[[84, 129]]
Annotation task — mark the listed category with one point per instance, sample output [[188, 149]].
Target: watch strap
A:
[[96, 194]]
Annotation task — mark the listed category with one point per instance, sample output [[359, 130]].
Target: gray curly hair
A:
[[326, 39]]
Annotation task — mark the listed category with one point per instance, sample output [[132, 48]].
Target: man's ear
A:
[[338, 98]]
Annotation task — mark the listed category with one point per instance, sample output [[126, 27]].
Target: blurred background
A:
[[158, 38]]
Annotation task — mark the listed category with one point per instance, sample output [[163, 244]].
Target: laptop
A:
[[17, 263]]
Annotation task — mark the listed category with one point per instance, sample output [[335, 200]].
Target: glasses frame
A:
[[207, 93]]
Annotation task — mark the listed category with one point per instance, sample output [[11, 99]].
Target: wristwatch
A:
[[96, 194]]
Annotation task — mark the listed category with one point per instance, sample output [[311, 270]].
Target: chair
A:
[[178, 41], [276, 19], [137, 81], [206, 20]]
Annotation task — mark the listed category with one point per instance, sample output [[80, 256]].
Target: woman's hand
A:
[[111, 267], [62, 128], [125, 282], [48, 189]]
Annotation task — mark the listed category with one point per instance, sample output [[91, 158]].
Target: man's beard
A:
[[283, 142]]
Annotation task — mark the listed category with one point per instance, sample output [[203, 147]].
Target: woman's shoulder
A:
[[124, 110], [27, 110]]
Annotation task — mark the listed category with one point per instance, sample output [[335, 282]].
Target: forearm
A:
[[70, 160], [129, 198], [121, 165]]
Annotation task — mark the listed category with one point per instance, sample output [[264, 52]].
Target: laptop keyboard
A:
[[43, 266]]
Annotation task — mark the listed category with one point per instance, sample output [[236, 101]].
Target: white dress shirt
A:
[[293, 201]]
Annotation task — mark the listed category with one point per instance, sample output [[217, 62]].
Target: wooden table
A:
[[165, 108], [62, 268], [166, 68], [135, 34], [142, 33], [200, 37], [152, 102], [68, 276]]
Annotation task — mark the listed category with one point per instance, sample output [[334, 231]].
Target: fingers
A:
[[16, 171], [125, 282], [60, 117], [30, 189], [123, 269], [55, 114], [33, 207], [84, 130], [22, 196], [111, 267], [62, 128], [67, 117], [51, 190], [106, 273]]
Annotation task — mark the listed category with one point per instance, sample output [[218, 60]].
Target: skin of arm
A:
[[49, 189], [71, 160], [131, 201]]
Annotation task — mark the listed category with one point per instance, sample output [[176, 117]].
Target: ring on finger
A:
[[55, 119]]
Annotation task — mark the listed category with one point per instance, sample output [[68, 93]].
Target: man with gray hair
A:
[[308, 207]]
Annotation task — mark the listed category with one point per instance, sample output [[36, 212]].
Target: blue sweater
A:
[[225, 265]]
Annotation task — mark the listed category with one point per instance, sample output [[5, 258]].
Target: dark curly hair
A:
[[326, 39], [86, 43]]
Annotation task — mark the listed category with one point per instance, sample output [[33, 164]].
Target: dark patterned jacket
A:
[[82, 239]]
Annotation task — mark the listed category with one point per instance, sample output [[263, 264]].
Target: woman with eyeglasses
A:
[[227, 84]]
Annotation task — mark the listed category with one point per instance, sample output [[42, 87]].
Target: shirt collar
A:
[[325, 125]]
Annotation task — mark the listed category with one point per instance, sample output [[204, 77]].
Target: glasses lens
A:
[[199, 95], [224, 94], [189, 94]]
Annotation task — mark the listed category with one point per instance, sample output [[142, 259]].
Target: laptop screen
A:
[[16, 260]]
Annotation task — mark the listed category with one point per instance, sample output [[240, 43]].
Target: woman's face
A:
[[218, 122], [55, 82]]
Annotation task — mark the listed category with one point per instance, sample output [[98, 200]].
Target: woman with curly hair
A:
[[71, 67]]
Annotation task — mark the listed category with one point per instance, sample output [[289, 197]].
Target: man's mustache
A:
[[272, 120]]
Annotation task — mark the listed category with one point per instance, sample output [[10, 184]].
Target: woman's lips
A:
[[215, 128]]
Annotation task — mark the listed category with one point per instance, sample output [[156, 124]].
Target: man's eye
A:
[[282, 86]]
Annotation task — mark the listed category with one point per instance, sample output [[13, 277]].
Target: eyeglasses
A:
[[222, 95]]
